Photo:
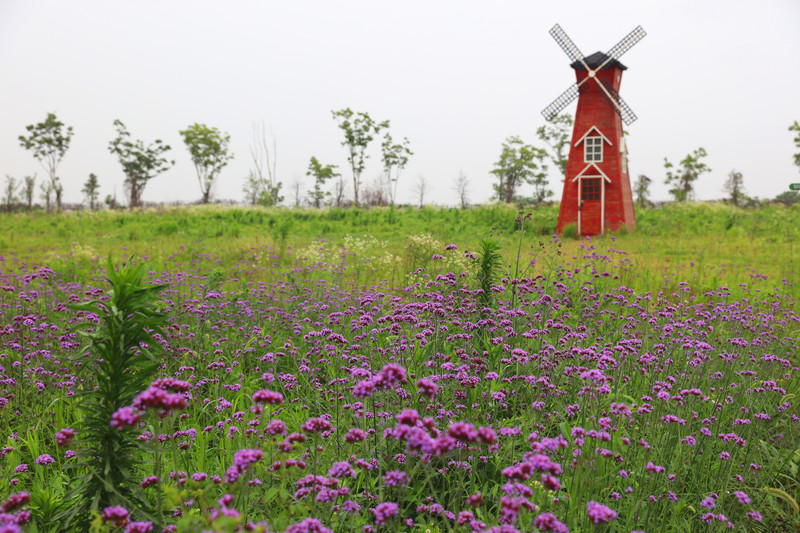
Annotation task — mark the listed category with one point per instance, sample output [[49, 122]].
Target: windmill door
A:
[[591, 210]]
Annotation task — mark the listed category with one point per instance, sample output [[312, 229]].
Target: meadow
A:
[[442, 370]]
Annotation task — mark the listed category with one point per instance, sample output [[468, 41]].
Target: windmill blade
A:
[[561, 102], [624, 110], [624, 45], [567, 45]]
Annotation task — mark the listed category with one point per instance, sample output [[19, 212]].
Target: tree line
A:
[[518, 164]]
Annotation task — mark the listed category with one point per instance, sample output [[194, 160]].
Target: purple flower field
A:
[[558, 401]]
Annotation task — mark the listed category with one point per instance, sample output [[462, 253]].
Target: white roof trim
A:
[[599, 172], [593, 128]]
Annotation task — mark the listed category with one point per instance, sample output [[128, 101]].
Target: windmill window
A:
[[593, 150], [590, 189]]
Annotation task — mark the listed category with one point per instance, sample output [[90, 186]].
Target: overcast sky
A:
[[455, 77]]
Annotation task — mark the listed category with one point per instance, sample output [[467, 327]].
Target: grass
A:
[[348, 367]]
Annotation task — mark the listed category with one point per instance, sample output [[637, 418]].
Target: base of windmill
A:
[[597, 189]]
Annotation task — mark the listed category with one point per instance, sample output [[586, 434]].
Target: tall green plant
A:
[[489, 264], [123, 355]]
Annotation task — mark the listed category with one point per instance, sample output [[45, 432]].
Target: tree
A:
[[10, 192], [734, 186], [796, 128], [46, 194], [28, 188], [297, 190], [556, 134], [788, 197], [140, 163], [252, 188], [91, 188], [642, 190], [359, 130], [420, 190], [682, 179], [520, 163], [265, 162], [461, 187], [208, 148], [321, 173], [49, 141], [395, 157]]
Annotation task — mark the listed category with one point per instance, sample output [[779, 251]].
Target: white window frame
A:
[[593, 149]]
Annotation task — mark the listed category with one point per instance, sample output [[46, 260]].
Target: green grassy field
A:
[[710, 244]]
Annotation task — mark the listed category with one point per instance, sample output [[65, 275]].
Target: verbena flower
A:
[[599, 513]]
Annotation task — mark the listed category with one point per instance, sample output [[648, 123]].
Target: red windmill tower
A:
[[597, 188]]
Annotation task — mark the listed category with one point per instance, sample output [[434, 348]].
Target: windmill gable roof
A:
[[597, 59]]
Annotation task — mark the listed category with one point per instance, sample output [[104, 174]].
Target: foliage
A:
[[91, 189], [140, 163], [209, 149], [49, 142], [321, 173], [641, 189], [490, 263], [556, 134], [359, 130], [682, 178], [734, 186], [124, 353], [395, 157], [796, 129], [10, 192], [788, 197], [28, 188], [520, 163]]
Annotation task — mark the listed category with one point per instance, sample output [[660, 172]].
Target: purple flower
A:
[[15, 501], [396, 478], [316, 425], [117, 515], [743, 498], [64, 437], [20, 468], [125, 417], [309, 525], [427, 388], [139, 527], [599, 513], [708, 503], [45, 459], [267, 396], [549, 522], [384, 512]]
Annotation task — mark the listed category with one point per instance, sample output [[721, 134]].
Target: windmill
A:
[[597, 189]]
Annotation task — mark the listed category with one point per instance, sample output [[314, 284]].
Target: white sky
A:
[[456, 77]]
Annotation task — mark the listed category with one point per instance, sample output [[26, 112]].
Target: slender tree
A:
[[359, 130], [265, 161], [556, 135], [46, 194], [395, 158], [28, 188], [641, 188], [209, 149], [49, 141], [734, 186], [682, 179], [520, 163], [420, 190], [91, 189], [252, 188], [140, 163], [461, 188], [10, 193], [321, 173]]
